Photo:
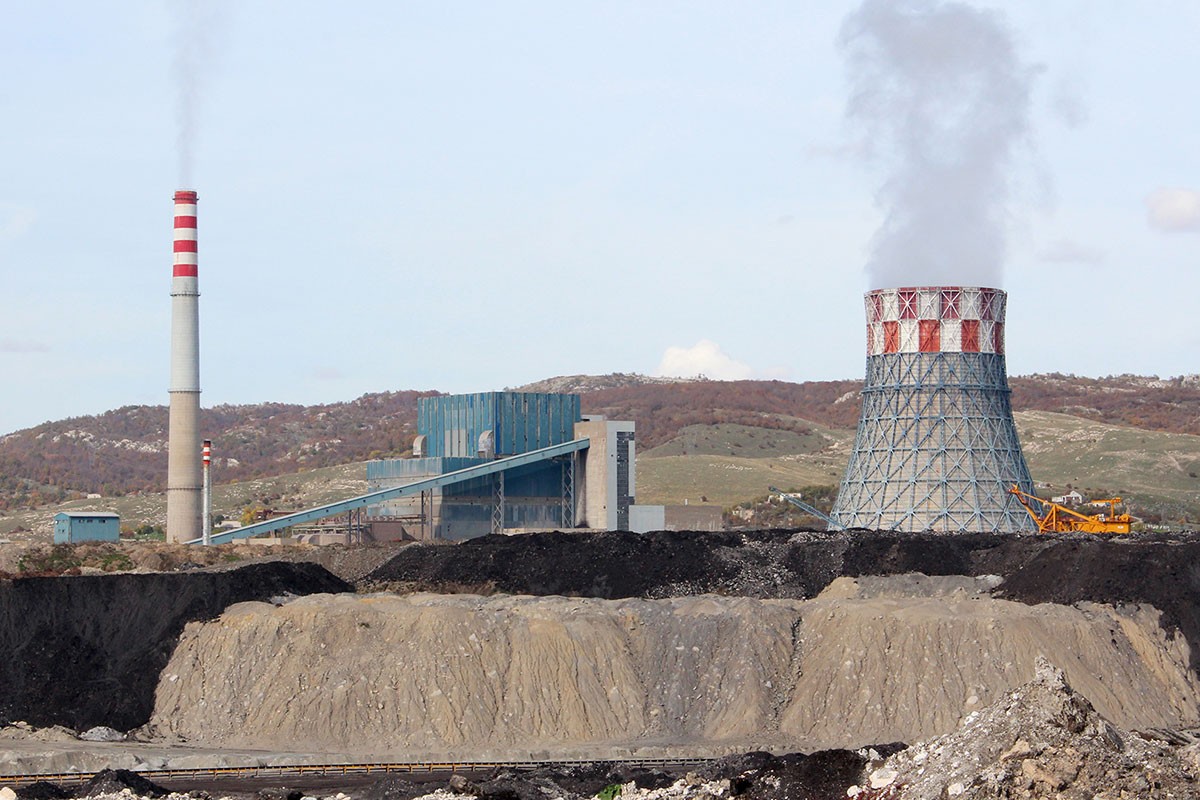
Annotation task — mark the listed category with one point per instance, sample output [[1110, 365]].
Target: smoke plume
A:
[[943, 101], [197, 25]]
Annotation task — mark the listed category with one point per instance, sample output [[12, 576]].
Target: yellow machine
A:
[[1055, 517]]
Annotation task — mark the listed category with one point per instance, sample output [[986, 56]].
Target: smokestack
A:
[[936, 447], [184, 489]]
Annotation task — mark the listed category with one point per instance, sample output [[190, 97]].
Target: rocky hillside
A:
[[124, 451]]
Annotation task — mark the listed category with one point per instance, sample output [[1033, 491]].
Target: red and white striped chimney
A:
[[184, 479]]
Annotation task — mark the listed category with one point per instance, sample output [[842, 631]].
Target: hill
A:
[[705, 441]]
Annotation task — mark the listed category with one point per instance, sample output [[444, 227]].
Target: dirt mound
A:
[[86, 651], [502, 677], [1041, 740], [1066, 568]]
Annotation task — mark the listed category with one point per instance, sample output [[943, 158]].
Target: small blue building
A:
[[86, 526]]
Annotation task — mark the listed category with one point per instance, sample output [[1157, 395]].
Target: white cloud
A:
[[14, 222], [703, 358], [1174, 210], [1064, 251]]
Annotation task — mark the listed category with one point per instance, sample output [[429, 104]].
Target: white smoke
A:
[[198, 27], [944, 101]]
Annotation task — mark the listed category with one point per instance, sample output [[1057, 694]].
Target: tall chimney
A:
[[184, 482], [936, 447]]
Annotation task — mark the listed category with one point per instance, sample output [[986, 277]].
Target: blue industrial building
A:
[[486, 463], [494, 424], [86, 526], [455, 432]]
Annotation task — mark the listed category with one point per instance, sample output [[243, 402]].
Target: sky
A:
[[472, 196]]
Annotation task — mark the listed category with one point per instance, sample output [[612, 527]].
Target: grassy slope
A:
[[297, 490], [731, 463], [1150, 468]]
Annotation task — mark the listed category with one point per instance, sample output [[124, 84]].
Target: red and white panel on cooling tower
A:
[[935, 319]]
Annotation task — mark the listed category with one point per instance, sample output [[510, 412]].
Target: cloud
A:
[[19, 346], [1064, 251], [703, 358], [1174, 210], [14, 222]]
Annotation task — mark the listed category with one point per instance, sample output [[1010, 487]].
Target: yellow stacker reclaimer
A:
[[1056, 517]]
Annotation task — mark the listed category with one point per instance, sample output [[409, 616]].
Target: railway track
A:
[[305, 772]]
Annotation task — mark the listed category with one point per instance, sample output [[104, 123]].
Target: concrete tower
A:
[[936, 447], [184, 479]]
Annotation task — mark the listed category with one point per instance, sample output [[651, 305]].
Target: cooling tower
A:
[[936, 447], [184, 479]]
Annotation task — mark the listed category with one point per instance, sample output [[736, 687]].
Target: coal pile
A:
[[86, 651], [112, 781], [752, 776], [1061, 568]]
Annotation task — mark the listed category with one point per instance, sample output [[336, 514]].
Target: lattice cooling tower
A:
[[936, 447]]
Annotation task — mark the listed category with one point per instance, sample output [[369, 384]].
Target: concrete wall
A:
[[694, 518], [600, 503], [643, 519]]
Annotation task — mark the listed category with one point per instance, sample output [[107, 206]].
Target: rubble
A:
[[1041, 740]]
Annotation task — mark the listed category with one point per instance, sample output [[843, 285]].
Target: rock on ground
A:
[[1042, 740]]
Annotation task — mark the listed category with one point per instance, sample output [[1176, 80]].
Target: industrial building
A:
[[936, 446], [71, 527], [492, 462], [589, 488]]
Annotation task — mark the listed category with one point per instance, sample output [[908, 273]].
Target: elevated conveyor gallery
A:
[[499, 465]]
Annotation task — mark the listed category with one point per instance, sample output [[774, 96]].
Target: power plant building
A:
[[936, 446], [592, 487]]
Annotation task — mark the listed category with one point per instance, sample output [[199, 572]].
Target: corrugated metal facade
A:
[[518, 422], [72, 527]]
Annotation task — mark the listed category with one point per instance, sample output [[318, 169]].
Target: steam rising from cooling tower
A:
[[184, 469], [943, 101]]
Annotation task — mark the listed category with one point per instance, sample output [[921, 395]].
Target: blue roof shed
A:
[[86, 526]]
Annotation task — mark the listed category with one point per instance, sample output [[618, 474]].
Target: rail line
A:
[[335, 770]]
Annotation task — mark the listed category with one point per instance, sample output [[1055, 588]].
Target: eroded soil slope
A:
[[503, 676]]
